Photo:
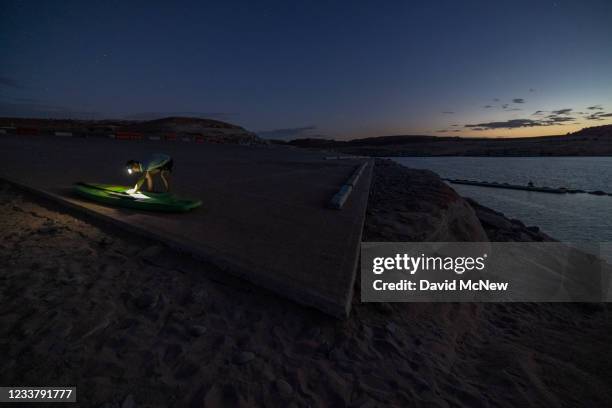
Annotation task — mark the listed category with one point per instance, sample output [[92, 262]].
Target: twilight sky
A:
[[333, 69]]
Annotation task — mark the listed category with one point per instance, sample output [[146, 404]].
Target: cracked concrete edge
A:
[[368, 168]]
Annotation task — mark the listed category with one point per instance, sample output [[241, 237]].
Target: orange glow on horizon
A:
[[534, 131]]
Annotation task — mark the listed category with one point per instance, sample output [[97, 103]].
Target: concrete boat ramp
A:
[[265, 215]]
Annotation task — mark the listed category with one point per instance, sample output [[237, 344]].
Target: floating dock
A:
[[550, 190]]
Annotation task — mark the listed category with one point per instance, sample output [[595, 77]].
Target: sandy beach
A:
[[134, 324]]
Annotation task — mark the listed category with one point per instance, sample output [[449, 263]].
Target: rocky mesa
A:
[[172, 128]]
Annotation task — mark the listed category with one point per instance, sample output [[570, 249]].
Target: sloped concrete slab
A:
[[265, 213]]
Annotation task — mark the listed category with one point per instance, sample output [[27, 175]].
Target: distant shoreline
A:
[[592, 142]]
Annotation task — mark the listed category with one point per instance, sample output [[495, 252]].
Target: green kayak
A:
[[119, 197]]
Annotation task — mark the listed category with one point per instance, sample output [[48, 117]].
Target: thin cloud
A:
[[595, 107], [287, 133], [598, 116], [562, 111], [448, 112], [488, 106], [518, 100], [159, 115], [531, 90], [549, 120], [507, 124], [538, 112], [556, 120]]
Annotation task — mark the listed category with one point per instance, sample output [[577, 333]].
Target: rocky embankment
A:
[[416, 205], [500, 228]]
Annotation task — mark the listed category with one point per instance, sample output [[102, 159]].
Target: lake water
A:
[[566, 217]]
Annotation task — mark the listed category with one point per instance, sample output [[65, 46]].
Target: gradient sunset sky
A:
[[315, 69]]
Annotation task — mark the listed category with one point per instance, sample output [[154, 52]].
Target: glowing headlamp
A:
[[129, 171]]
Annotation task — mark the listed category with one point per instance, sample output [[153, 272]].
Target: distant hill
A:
[[594, 132], [592, 141], [211, 130], [180, 125]]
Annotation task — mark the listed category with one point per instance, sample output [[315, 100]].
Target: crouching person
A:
[[157, 165]]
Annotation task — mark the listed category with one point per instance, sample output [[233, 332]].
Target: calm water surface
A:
[[566, 217]]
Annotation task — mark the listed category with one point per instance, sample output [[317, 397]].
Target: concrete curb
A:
[[340, 198]]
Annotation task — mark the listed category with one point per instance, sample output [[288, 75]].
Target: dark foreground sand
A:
[[132, 324]]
